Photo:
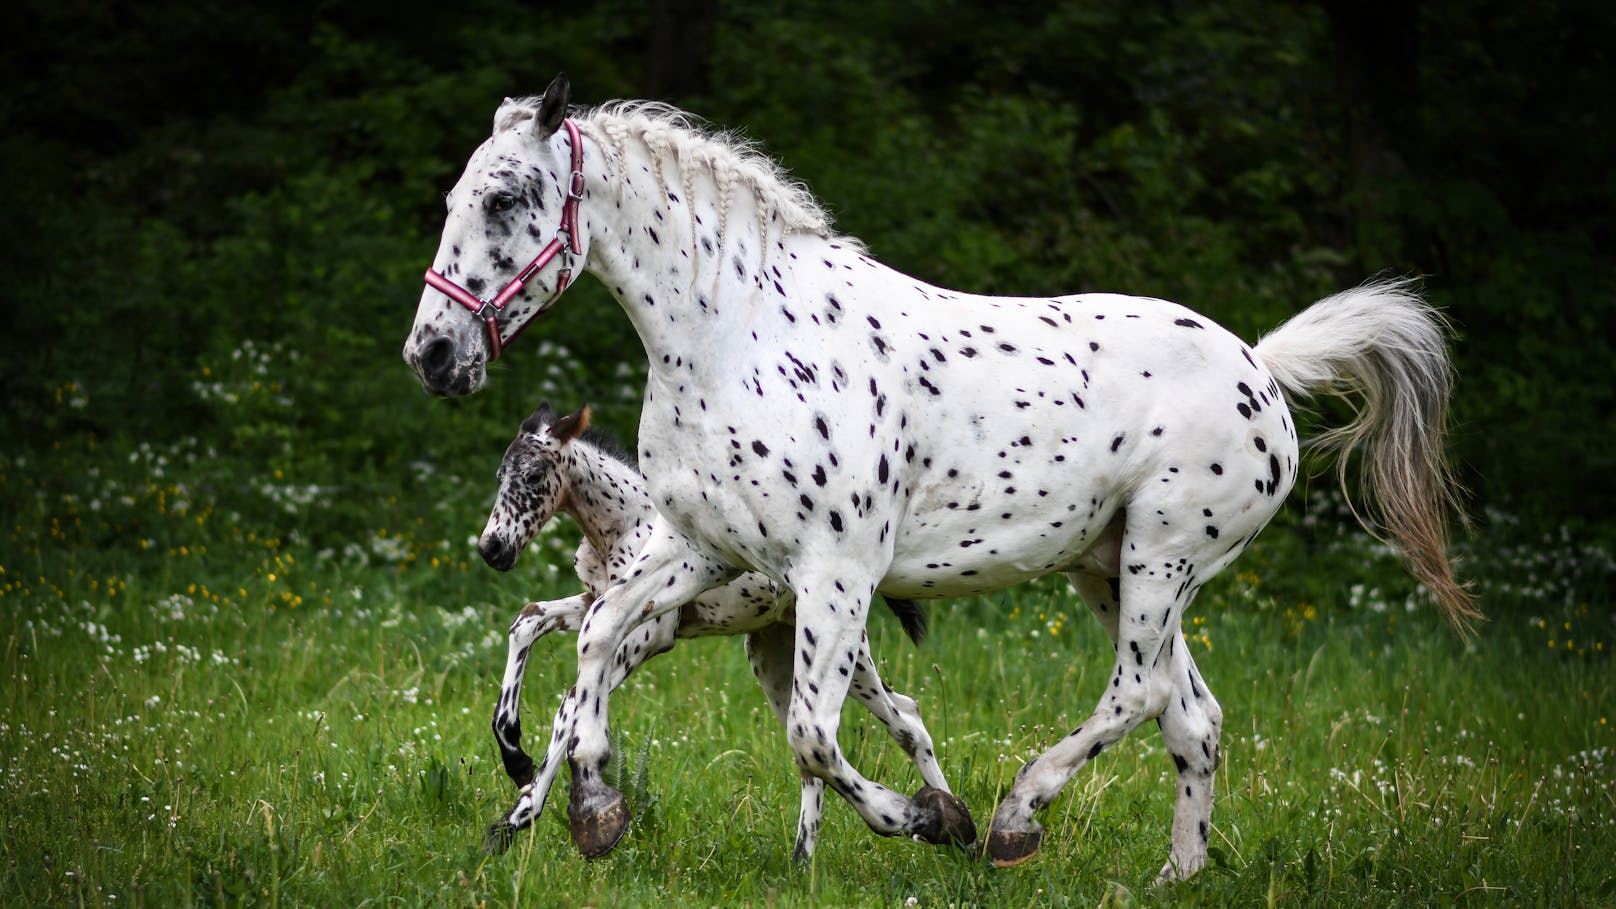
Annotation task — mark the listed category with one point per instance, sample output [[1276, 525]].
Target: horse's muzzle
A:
[[442, 368]]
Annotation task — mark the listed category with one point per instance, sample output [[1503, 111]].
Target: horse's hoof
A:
[[942, 819], [500, 835], [599, 819], [1006, 849]]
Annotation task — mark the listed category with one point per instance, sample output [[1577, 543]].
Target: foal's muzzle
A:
[[498, 552]]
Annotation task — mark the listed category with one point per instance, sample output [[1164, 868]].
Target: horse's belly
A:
[[963, 552]]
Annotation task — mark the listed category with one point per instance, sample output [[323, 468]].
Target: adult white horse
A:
[[845, 429]]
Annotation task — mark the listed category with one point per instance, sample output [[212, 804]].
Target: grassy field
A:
[[223, 688]]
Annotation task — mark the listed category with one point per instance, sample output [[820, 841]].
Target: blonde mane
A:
[[732, 162]]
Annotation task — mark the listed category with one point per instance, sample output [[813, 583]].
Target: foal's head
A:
[[533, 482]]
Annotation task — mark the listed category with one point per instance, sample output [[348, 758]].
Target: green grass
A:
[[233, 694]]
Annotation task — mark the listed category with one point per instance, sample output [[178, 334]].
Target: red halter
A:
[[566, 237]]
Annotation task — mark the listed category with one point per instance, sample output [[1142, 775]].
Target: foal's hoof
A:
[[599, 819], [1006, 849], [942, 819], [501, 834]]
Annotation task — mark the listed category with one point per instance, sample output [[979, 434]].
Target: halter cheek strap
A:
[[566, 238]]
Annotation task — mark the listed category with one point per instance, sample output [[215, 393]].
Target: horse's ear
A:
[[570, 426], [510, 113], [553, 106]]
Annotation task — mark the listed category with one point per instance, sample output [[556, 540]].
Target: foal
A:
[[553, 465]]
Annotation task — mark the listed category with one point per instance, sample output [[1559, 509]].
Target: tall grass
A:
[[209, 705]]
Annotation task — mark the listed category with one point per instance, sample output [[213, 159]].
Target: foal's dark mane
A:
[[593, 436]]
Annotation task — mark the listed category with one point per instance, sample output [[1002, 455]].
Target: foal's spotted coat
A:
[[553, 465], [845, 429]]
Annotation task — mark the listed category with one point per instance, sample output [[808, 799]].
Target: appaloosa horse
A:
[[553, 465], [844, 429]]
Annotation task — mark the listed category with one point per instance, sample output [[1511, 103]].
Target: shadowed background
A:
[[181, 178]]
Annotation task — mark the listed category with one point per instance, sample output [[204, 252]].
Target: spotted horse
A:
[[844, 429], [560, 464]]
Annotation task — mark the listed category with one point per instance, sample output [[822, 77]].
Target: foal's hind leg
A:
[[1147, 639], [769, 651], [1190, 727], [533, 622]]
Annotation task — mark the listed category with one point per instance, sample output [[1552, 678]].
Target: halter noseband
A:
[[566, 237]]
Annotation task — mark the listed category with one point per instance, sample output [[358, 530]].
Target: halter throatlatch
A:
[[566, 238]]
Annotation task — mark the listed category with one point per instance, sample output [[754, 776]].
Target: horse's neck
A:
[[685, 257], [604, 495]]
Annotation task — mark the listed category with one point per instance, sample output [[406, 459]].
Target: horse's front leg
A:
[[668, 573], [647, 640], [534, 621], [900, 715], [829, 640]]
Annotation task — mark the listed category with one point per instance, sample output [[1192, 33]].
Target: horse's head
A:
[[512, 214], [532, 483]]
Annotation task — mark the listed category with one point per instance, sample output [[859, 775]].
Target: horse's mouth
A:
[[463, 383], [443, 371]]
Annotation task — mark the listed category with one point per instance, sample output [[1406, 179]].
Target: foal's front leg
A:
[[534, 621]]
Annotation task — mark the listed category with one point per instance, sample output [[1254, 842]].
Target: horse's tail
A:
[[910, 616], [1384, 345]]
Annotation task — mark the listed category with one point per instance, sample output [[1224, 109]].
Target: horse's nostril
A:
[[437, 357]]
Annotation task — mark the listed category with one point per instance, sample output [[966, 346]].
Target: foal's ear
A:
[[537, 421], [570, 426], [553, 106]]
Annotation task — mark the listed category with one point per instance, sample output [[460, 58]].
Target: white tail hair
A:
[[1384, 346]]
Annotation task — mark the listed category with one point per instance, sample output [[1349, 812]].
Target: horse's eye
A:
[[499, 203]]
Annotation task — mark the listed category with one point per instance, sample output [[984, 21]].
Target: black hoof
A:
[[500, 836], [599, 819], [1006, 849], [942, 819]]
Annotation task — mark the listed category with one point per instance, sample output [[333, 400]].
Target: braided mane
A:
[[732, 162]]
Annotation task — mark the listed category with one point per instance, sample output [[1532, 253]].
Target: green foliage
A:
[[1240, 159]]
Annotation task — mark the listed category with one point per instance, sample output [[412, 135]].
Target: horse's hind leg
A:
[[769, 651], [533, 622], [1190, 727], [1147, 641]]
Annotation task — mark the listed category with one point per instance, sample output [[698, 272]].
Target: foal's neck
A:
[[604, 495]]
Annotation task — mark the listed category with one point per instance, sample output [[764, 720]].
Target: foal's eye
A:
[[499, 203]]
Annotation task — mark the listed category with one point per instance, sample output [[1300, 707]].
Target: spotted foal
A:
[[554, 465]]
